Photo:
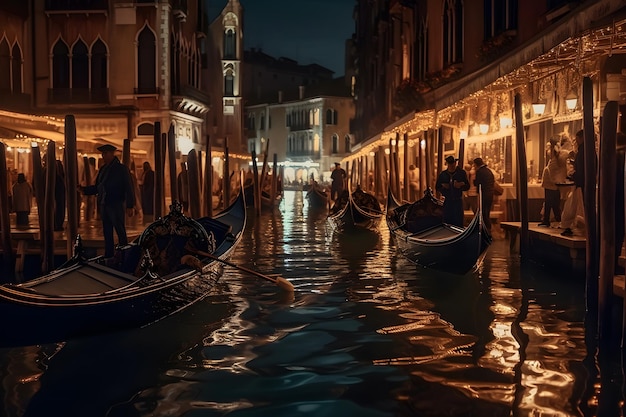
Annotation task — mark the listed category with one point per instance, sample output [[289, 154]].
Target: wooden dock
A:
[[27, 242], [548, 246]]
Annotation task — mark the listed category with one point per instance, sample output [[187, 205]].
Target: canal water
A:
[[366, 334]]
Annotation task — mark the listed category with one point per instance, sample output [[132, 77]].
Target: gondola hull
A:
[[88, 296], [317, 198], [354, 217], [439, 246]]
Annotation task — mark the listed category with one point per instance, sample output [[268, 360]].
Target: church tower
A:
[[227, 33]]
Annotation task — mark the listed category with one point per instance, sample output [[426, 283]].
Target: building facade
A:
[[119, 67], [307, 134], [444, 75]]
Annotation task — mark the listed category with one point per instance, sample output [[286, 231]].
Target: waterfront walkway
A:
[[27, 241]]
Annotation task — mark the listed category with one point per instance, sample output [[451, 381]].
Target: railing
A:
[[147, 90], [76, 5], [192, 93], [78, 95]]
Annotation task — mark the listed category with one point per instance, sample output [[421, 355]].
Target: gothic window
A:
[[80, 65], [335, 143], [146, 62], [174, 64], [99, 69], [347, 143], [229, 84], [16, 68], [500, 16], [5, 66], [60, 65], [262, 121], [331, 117], [422, 51], [453, 31], [230, 44], [251, 122]]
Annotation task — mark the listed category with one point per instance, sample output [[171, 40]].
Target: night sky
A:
[[308, 31]]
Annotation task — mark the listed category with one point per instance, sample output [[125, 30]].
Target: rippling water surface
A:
[[365, 334]]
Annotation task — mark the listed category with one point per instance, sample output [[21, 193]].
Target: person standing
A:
[[554, 173], [484, 182], [116, 197], [414, 178], [574, 208], [147, 193], [338, 177], [451, 183], [22, 200]]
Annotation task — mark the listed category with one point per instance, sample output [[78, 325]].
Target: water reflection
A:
[[366, 333]]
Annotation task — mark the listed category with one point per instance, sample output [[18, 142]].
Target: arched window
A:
[[500, 16], [331, 117], [99, 69], [262, 121], [174, 64], [230, 44], [5, 66], [80, 65], [422, 51], [146, 62], [251, 122], [229, 84], [60, 65], [453, 31], [335, 143], [145, 129], [347, 143], [16, 68]]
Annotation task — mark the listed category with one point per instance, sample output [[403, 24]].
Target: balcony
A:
[[77, 5], [146, 90], [14, 101], [302, 155], [191, 92], [78, 95]]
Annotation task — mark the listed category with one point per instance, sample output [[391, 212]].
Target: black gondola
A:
[[317, 196], [423, 237], [357, 210], [153, 277]]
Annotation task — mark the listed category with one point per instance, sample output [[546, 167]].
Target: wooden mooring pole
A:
[[606, 205], [522, 175]]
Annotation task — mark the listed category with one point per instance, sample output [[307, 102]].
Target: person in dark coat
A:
[[22, 200], [451, 183], [338, 177], [484, 182], [116, 198]]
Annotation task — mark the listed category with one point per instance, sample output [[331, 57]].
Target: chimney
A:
[[280, 96], [301, 92]]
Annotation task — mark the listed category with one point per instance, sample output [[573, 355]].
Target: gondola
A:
[[357, 210], [171, 265], [317, 196], [423, 237]]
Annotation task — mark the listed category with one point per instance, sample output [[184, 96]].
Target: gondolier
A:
[[451, 183], [339, 179], [116, 196]]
